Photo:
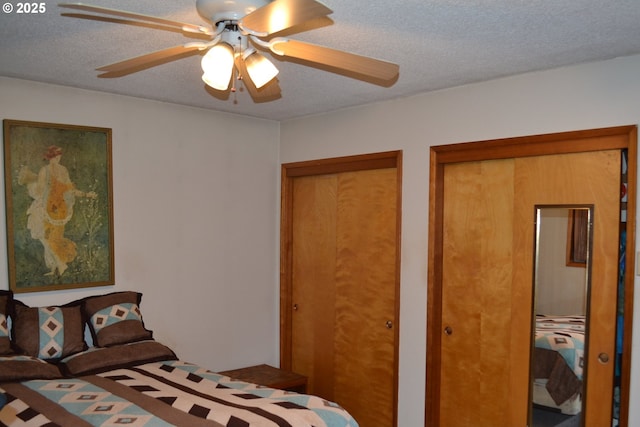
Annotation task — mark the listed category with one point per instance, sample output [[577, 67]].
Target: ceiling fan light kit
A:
[[217, 65], [260, 69], [238, 27]]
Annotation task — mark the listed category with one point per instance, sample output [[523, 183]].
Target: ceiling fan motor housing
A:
[[227, 10]]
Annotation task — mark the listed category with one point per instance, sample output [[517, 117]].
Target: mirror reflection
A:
[[563, 237]]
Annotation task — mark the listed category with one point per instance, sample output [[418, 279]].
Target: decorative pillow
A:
[[115, 318], [48, 333], [101, 359], [22, 368], [6, 298]]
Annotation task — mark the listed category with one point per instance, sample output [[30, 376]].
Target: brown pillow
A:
[[15, 368], [115, 318], [48, 333], [101, 359], [6, 299]]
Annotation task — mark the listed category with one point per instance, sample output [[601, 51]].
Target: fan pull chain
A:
[[233, 85], [236, 73], [233, 80]]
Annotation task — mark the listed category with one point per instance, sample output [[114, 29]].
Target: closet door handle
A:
[[603, 358], [389, 324], [448, 330]]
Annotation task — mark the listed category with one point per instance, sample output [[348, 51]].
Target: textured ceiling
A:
[[437, 43]]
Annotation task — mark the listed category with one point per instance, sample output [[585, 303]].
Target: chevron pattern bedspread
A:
[[163, 394]]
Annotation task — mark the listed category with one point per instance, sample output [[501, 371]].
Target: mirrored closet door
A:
[[481, 305]]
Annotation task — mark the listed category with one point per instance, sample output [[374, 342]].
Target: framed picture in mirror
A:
[[577, 237]]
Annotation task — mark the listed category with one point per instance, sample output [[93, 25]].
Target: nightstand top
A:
[[268, 376]]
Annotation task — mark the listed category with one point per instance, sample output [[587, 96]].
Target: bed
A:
[[558, 362], [50, 377]]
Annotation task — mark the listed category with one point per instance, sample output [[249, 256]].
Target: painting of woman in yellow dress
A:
[[59, 199], [53, 196]]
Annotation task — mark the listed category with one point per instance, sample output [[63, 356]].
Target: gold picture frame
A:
[[59, 206]]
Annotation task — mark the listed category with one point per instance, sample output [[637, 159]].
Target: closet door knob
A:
[[389, 324], [603, 358], [448, 330]]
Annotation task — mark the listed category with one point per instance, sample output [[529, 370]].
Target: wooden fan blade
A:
[[269, 92], [138, 63], [282, 14], [115, 20], [192, 28], [332, 58]]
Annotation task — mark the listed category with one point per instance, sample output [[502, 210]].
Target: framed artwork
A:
[[59, 206], [577, 237]]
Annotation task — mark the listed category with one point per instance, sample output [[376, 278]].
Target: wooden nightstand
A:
[[270, 377]]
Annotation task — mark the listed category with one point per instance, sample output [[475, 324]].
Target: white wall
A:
[[561, 289], [195, 215], [583, 97]]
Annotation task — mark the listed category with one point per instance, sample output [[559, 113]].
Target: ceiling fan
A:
[[238, 30]]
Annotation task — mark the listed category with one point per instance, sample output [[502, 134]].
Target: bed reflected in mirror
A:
[[561, 289]]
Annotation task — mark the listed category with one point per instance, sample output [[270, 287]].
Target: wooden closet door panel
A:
[[583, 178], [344, 288], [488, 255], [477, 295], [313, 272], [543, 173], [366, 241]]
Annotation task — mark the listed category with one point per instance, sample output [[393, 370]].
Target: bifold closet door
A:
[[344, 276], [487, 281]]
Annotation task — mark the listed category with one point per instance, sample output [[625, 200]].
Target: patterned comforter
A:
[[159, 394], [559, 354], [564, 334]]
